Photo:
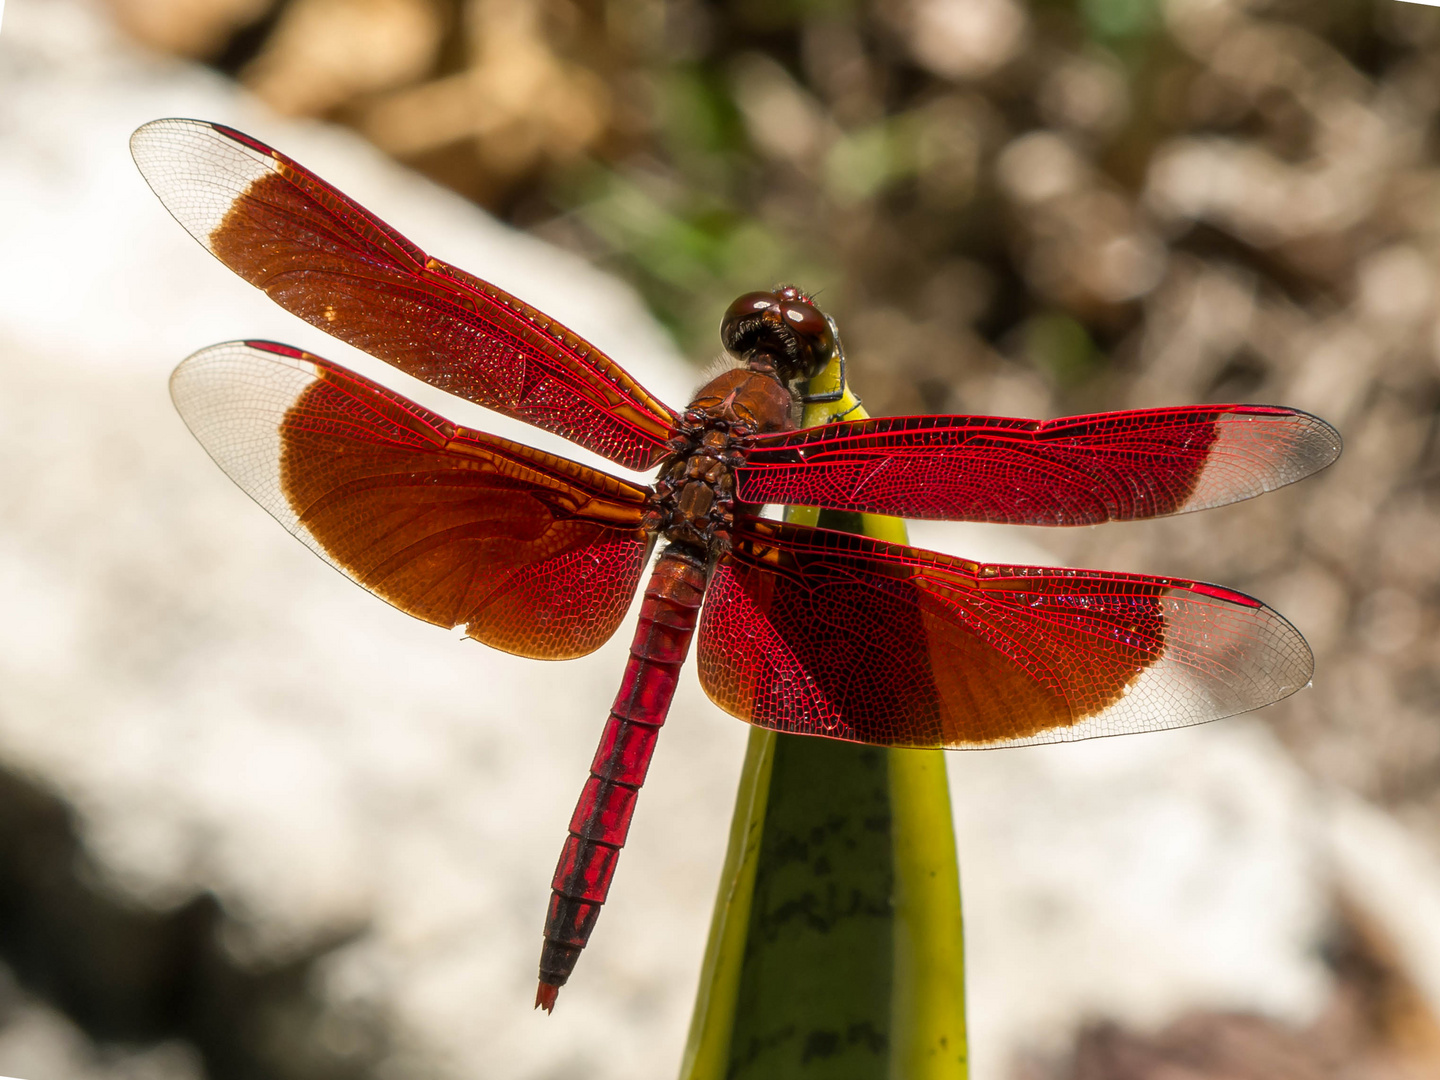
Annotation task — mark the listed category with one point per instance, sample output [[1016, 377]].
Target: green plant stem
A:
[[836, 949]]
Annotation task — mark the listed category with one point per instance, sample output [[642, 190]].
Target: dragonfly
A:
[[802, 630]]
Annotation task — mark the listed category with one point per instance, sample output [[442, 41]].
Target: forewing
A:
[[828, 633], [1080, 470], [531, 553], [330, 261]]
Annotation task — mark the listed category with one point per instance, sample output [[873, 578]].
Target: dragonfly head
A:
[[782, 330]]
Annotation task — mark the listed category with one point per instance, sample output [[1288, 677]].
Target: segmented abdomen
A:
[[602, 817]]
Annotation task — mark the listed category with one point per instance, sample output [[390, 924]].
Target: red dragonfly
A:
[[803, 630]]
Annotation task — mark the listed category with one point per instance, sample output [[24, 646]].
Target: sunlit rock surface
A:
[[376, 805]]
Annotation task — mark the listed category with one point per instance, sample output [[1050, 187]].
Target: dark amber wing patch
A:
[[337, 266], [1080, 470], [828, 633], [531, 553]]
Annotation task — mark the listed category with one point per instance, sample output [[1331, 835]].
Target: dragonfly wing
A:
[[828, 633], [1081, 470], [333, 263], [531, 553]]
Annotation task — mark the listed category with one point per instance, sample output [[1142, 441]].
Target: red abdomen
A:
[[602, 817]]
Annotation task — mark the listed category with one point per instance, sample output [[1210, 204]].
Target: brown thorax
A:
[[694, 499], [780, 337]]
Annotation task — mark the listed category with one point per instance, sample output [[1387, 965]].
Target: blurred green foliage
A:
[[1106, 19]]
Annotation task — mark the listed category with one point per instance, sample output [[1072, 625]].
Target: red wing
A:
[[334, 264], [828, 633], [533, 554], [1080, 470]]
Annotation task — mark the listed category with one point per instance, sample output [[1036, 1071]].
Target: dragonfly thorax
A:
[[694, 497]]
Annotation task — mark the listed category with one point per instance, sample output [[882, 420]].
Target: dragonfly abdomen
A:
[[602, 817]]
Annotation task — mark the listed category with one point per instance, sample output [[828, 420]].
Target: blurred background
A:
[[247, 838]]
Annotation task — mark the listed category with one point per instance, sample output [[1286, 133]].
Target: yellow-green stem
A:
[[836, 949]]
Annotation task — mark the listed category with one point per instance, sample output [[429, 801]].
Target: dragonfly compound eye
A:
[[783, 326], [815, 339]]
